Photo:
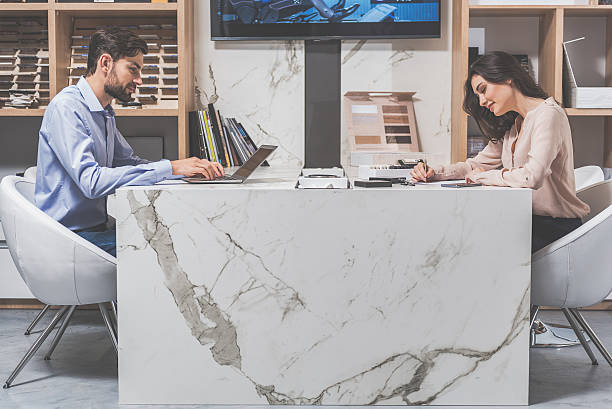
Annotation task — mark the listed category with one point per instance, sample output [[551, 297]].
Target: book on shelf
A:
[[233, 150], [226, 141], [237, 140], [219, 139], [223, 139], [209, 139], [217, 135], [248, 141], [195, 136]]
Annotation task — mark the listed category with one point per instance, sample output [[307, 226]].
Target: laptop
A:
[[243, 171]]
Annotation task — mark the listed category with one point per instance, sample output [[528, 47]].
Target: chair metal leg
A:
[[60, 332], [592, 334], [38, 317], [35, 346], [534, 314], [114, 317], [580, 335], [109, 326]]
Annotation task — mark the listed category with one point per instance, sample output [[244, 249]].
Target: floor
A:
[[82, 373]]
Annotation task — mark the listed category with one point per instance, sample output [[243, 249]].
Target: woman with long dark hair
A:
[[530, 145]]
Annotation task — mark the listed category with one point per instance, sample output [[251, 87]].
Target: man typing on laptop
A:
[[82, 156], [243, 172]]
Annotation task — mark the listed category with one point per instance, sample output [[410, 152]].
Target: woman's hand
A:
[[420, 175], [195, 167]]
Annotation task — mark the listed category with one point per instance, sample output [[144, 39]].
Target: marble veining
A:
[[400, 56], [285, 66], [260, 91], [354, 49], [213, 97], [276, 316]]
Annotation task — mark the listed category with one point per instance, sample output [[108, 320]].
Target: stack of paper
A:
[[22, 99]]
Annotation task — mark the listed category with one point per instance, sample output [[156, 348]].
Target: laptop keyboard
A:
[[225, 177]]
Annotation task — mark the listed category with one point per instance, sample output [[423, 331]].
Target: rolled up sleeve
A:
[[487, 159]]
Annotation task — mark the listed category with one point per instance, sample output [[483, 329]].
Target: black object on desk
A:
[[395, 180], [372, 183]]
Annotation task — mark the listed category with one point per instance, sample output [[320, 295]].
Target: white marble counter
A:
[[262, 293]]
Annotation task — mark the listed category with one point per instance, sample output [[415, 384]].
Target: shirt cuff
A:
[[449, 172], [162, 169], [490, 177]]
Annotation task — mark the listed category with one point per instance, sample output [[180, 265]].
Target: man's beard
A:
[[113, 88]]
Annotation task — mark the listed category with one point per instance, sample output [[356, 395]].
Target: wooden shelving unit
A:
[[61, 18], [22, 112], [550, 60], [113, 8]]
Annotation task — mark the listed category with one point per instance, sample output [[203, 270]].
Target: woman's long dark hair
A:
[[497, 67]]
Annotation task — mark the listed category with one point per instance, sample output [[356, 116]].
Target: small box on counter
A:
[[322, 178]]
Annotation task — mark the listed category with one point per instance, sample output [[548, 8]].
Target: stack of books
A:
[[219, 139]]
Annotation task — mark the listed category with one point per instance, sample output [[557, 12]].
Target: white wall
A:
[[262, 83]]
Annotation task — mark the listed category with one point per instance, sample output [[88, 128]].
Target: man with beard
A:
[[82, 156]]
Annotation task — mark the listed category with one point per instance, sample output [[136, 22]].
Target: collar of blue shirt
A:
[[91, 100]]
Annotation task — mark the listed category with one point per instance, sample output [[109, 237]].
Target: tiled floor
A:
[[83, 374]]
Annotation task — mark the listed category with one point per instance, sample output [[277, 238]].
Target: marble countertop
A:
[[265, 294], [268, 178]]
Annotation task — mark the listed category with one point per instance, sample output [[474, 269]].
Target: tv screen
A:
[[323, 19]]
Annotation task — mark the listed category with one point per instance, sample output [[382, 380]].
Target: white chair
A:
[[587, 176], [30, 174], [59, 267], [576, 270]]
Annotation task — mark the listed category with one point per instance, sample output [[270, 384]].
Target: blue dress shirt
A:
[[82, 158]]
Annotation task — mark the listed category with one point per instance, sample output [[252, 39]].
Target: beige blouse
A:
[[542, 160]]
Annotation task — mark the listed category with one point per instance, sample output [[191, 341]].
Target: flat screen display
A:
[[323, 19]]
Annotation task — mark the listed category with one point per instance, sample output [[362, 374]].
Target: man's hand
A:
[[195, 167]]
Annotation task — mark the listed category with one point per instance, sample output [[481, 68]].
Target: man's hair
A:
[[116, 41]]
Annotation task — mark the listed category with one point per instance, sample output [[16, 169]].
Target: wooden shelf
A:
[[116, 6], [106, 9], [133, 112], [93, 8], [510, 11], [539, 10], [22, 111], [146, 112], [23, 7], [594, 11], [588, 111]]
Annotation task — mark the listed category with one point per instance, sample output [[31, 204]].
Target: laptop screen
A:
[[254, 161]]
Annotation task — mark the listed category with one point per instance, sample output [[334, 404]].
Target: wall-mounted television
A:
[[323, 19]]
